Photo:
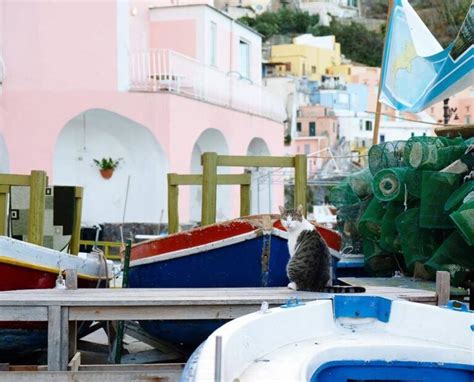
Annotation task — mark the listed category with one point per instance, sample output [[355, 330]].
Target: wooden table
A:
[[59, 307]]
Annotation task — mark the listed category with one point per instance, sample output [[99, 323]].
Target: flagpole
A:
[[378, 109]]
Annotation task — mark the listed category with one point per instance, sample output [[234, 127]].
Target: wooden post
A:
[[4, 190], [173, 213], [442, 287], [209, 188], [76, 225], [54, 338], [71, 278], [300, 181], [245, 199], [37, 204], [378, 109]]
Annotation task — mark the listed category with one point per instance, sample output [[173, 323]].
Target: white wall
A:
[[95, 134], [261, 188], [211, 140]]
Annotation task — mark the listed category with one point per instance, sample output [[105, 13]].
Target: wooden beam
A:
[[209, 188], [254, 161], [300, 181], [245, 199], [37, 205], [54, 338], [196, 180], [76, 225], [4, 191], [71, 278], [173, 213], [442, 287], [14, 180]]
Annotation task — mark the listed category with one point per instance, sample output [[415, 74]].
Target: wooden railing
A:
[[106, 245]]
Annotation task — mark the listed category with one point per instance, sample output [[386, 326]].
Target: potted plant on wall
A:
[[107, 166]]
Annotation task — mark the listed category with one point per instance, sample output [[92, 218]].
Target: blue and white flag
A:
[[417, 71]]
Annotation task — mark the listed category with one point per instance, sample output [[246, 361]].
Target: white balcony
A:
[[166, 70]]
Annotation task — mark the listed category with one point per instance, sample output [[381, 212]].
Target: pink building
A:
[[317, 130], [154, 84], [462, 105]]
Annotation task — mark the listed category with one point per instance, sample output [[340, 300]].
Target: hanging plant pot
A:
[[107, 173]]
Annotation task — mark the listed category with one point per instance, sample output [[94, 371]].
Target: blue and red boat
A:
[[246, 252]]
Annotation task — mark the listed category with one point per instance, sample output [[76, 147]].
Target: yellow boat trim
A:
[[20, 263]]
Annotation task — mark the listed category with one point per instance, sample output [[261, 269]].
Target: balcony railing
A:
[[166, 70]]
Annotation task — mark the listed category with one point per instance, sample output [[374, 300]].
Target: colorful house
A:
[[308, 56], [154, 84]]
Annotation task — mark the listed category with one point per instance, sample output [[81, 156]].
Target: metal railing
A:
[[157, 70]]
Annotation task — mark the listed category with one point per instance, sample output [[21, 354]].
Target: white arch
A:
[[4, 161], [210, 140], [261, 179], [98, 133]]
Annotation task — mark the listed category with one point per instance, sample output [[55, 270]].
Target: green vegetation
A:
[[357, 42], [107, 163]]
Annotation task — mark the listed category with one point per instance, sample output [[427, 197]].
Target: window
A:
[[368, 125], [363, 143], [306, 149], [334, 127], [298, 126], [213, 48], [467, 119], [244, 58], [288, 66], [382, 138], [467, 109], [304, 69], [312, 129], [313, 69], [361, 125]]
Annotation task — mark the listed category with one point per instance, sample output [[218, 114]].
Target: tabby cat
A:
[[308, 268]]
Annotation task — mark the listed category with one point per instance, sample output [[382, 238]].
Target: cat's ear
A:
[[282, 210], [300, 209]]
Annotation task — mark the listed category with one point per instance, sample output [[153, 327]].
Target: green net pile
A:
[[405, 212]]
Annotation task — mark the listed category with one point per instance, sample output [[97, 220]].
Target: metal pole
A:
[[218, 360]]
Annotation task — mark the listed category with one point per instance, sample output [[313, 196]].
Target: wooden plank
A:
[[37, 205], [245, 199], [234, 179], [254, 161], [442, 287], [301, 181], [148, 356], [76, 225], [209, 189], [173, 213], [23, 313], [452, 131], [4, 191], [14, 180], [54, 338], [178, 312]]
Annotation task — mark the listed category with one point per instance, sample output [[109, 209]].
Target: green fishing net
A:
[[463, 219], [389, 239], [413, 179], [454, 256], [342, 195], [417, 244], [385, 155], [436, 188], [457, 197], [348, 218], [432, 153], [370, 223], [361, 183], [389, 184], [377, 261]]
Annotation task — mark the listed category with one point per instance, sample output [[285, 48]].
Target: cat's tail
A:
[[343, 289]]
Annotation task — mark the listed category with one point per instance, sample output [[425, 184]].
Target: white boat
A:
[[345, 339]]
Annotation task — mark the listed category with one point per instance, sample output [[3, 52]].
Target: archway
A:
[[210, 140], [4, 162], [95, 134], [261, 179]]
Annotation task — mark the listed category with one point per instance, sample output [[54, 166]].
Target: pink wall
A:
[[164, 35]]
